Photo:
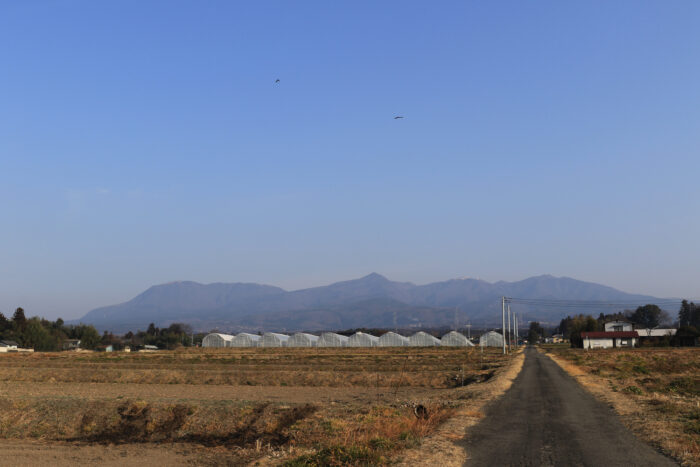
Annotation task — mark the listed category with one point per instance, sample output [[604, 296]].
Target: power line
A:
[[563, 303]]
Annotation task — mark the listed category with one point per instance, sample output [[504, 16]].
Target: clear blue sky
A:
[[145, 142]]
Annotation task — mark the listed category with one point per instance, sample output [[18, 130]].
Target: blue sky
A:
[[145, 142]]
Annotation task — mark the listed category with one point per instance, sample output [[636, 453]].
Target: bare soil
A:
[[192, 393]]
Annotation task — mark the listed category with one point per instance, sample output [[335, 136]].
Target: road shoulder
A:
[[446, 447], [634, 414]]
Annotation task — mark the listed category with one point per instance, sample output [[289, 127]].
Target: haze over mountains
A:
[[371, 301]]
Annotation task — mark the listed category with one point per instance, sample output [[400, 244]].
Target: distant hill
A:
[[371, 301]]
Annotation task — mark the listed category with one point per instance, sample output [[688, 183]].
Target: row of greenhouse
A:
[[359, 339]]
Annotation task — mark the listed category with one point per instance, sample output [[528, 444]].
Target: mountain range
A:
[[372, 301]]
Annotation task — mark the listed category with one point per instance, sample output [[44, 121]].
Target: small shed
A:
[[331, 339], [273, 339], [423, 339], [361, 339], [392, 339], [656, 332], [491, 339], [455, 339], [244, 339], [302, 339], [216, 340]]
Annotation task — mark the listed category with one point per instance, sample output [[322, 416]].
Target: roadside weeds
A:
[[656, 418], [446, 446]]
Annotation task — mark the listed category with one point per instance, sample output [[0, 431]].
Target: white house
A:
[[618, 326], [609, 339]]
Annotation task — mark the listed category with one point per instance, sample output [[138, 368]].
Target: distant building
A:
[[491, 339], [555, 339], [392, 339], [71, 344], [423, 339], [273, 339], [609, 339], [332, 339], [302, 339], [8, 346], [618, 326], [656, 332], [455, 339], [217, 340], [244, 339], [362, 339]]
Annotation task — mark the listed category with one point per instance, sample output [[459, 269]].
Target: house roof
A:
[[9, 343], [610, 334]]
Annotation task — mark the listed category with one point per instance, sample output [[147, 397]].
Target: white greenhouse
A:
[[331, 339], [361, 339], [455, 339], [423, 339], [273, 339], [491, 339], [245, 340], [301, 339], [391, 339], [216, 340]]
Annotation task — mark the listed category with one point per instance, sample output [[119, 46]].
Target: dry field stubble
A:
[[231, 406], [655, 390]]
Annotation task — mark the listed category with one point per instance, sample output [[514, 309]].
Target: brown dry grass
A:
[[368, 428], [427, 367], [446, 446], [655, 390]]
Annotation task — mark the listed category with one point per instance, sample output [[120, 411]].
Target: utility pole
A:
[[509, 329], [515, 331], [503, 322]]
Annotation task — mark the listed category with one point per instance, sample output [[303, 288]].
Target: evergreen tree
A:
[[648, 316], [19, 320]]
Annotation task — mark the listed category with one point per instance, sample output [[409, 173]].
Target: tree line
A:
[[175, 335], [43, 335]]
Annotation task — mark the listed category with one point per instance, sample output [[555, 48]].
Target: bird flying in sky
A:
[[277, 80], [397, 117]]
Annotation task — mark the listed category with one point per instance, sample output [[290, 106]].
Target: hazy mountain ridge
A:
[[371, 301]]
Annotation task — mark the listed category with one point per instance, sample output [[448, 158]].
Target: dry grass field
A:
[[655, 390], [233, 406]]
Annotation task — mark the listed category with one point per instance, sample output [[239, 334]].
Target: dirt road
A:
[[546, 418]]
